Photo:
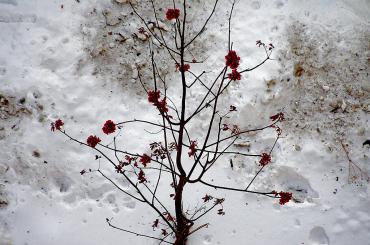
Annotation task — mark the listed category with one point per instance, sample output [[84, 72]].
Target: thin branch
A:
[[127, 178], [144, 121], [119, 188], [230, 17], [137, 234], [243, 132], [204, 26], [260, 170], [156, 186], [153, 34], [198, 228], [268, 194]]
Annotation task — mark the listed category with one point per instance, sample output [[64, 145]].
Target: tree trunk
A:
[[183, 226], [181, 237]]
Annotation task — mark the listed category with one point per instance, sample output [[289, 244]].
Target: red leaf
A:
[[184, 68], [164, 232], [207, 198], [234, 75], [155, 224], [109, 127], [192, 148], [93, 140], [265, 159], [153, 96], [172, 14], [119, 167], [285, 197], [57, 125], [141, 177], [232, 59], [279, 117], [145, 159]]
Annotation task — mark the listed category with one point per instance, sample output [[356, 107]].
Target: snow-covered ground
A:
[[64, 59]]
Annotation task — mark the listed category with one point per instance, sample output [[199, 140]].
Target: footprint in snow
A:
[[256, 5], [2, 71], [130, 205], [207, 239], [289, 180], [6, 17], [11, 2], [318, 236], [279, 4]]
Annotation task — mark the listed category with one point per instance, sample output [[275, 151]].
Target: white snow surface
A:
[[57, 60]]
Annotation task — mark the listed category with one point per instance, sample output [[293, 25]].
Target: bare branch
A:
[[204, 26], [135, 233]]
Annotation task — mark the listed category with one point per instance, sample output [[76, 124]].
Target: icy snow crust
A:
[[58, 60]]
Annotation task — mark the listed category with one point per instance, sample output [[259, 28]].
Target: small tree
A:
[[177, 146]]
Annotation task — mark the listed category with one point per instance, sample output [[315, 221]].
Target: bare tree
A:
[[177, 146]]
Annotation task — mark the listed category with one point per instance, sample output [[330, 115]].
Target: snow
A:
[[61, 62]]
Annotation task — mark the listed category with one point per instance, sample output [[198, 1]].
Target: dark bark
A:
[[183, 224]]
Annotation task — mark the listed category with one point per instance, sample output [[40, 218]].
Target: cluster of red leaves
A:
[[92, 141], [141, 177], [158, 151], [278, 117], [192, 148], [169, 217], [265, 159], [277, 128], [142, 30], [219, 201], [119, 168], [259, 43], [285, 197], [172, 14], [184, 68], [129, 159], [109, 127], [145, 159], [154, 98], [57, 125], [234, 129], [162, 105], [232, 59], [234, 75]]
